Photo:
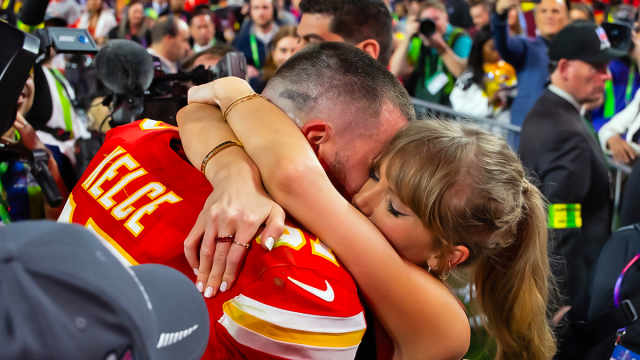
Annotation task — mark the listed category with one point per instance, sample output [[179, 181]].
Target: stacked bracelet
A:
[[223, 145], [238, 101]]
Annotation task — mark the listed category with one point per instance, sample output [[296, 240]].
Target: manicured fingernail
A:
[[223, 286], [195, 271], [199, 286], [208, 292], [269, 243]]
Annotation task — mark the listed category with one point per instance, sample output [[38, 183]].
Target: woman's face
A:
[[489, 52], [402, 228], [136, 14], [286, 47], [25, 100]]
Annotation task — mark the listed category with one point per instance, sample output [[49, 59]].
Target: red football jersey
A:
[[141, 197]]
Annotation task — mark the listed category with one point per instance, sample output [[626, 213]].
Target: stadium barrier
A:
[[425, 109]]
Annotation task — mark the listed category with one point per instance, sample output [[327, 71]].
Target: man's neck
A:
[[563, 91], [264, 29]]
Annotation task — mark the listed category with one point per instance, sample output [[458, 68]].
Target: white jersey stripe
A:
[[299, 321], [294, 351]]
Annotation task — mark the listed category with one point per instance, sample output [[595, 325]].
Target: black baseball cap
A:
[[63, 295], [583, 40]]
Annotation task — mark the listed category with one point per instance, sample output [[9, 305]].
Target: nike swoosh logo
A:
[[326, 295]]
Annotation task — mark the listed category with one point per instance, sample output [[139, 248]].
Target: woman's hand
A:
[[621, 150], [221, 92]]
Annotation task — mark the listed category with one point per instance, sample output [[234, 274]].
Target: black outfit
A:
[[630, 209], [559, 148]]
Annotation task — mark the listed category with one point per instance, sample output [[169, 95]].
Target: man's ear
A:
[[317, 132], [371, 47], [563, 68]]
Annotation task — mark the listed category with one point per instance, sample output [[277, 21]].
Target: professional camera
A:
[[140, 88], [427, 27], [21, 51]]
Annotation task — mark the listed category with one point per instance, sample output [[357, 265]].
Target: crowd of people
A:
[[315, 214]]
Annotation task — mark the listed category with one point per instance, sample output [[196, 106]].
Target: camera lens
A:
[[427, 27]]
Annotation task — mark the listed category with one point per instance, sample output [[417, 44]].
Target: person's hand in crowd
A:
[[435, 41], [412, 27], [252, 72], [502, 6], [621, 150], [28, 136]]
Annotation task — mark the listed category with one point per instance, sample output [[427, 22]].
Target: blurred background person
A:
[[581, 11], [69, 10], [487, 87], [285, 43], [98, 19], [480, 14], [169, 43], [134, 25], [255, 37], [430, 65], [528, 57], [625, 77], [202, 29], [176, 7], [620, 135], [20, 195]]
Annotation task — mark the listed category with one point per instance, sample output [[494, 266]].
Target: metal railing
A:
[[425, 109]]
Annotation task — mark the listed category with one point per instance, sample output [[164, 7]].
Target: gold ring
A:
[[246, 246]]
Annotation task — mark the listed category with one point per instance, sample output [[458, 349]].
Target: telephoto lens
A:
[[427, 27]]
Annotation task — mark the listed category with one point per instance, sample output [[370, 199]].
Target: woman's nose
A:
[[366, 199]]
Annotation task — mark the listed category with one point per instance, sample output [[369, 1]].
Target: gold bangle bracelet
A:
[[223, 145], [238, 101]]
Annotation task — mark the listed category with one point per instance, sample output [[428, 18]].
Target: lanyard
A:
[[254, 50], [610, 97], [628, 92], [64, 100]]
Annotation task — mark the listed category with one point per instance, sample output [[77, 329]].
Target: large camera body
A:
[[139, 88], [21, 51], [168, 92]]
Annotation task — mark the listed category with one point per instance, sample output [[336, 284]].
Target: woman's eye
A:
[[393, 211], [373, 175]]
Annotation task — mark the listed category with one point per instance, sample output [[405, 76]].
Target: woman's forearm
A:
[[201, 129]]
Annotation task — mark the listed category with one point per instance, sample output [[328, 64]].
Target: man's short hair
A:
[[356, 21], [165, 25], [485, 4], [432, 4], [199, 11], [341, 74], [217, 50]]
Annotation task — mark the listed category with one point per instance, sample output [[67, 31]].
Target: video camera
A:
[[21, 51], [139, 88]]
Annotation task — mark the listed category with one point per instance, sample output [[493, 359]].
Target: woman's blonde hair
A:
[[470, 189]]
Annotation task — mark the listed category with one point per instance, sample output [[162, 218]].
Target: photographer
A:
[[23, 197], [430, 62]]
